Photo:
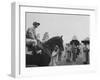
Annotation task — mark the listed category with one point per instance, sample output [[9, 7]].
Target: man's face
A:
[[73, 45], [35, 26]]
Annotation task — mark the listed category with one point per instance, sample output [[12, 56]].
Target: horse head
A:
[[57, 40], [60, 44]]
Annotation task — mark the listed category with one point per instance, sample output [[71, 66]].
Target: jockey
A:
[[86, 50], [74, 48], [31, 38]]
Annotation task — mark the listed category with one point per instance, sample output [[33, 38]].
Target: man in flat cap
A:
[[86, 49]]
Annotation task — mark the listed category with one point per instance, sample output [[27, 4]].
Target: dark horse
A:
[[44, 58]]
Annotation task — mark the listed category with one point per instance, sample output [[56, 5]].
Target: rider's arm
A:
[[31, 41]]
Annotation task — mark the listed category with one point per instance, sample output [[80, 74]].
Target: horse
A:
[[45, 57]]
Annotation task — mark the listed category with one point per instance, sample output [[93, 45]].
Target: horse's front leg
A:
[[54, 59]]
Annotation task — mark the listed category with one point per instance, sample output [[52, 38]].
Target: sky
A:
[[60, 24]]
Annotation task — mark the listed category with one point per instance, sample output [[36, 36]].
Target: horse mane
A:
[[52, 39]]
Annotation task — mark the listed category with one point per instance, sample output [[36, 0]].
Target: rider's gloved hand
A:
[[39, 51], [34, 42]]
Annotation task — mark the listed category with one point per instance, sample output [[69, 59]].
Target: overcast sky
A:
[[57, 24]]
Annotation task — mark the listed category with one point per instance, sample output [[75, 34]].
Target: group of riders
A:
[[77, 53], [74, 50]]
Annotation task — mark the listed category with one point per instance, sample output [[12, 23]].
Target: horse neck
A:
[[49, 46], [51, 43]]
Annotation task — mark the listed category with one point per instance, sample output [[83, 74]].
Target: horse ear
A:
[[61, 36]]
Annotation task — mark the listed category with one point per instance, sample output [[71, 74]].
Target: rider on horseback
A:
[[31, 38]]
